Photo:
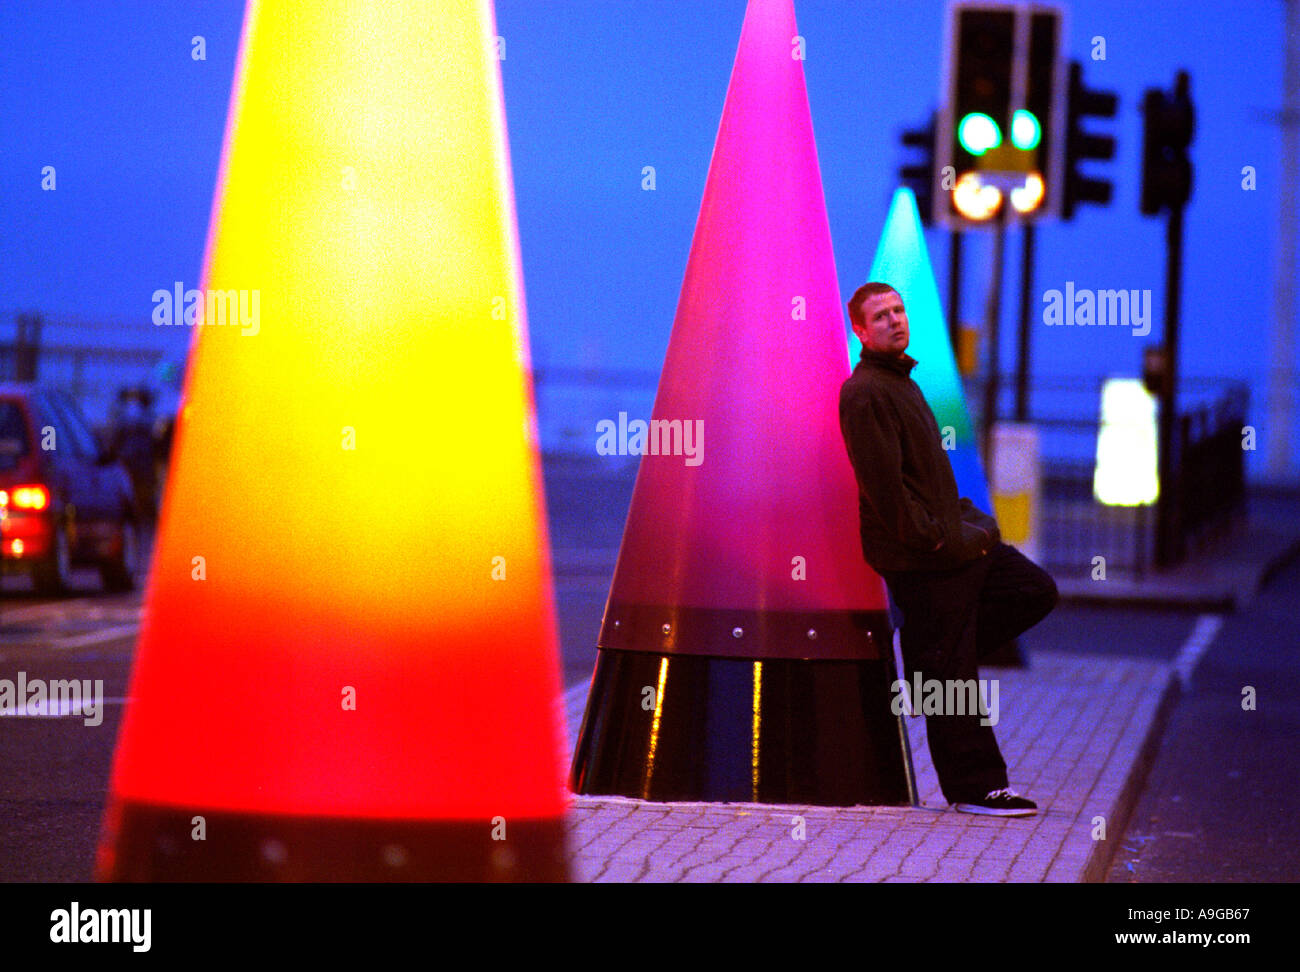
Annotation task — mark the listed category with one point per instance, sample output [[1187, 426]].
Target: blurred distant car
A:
[[64, 501]]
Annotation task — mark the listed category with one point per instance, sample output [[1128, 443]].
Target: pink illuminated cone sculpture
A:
[[744, 652]]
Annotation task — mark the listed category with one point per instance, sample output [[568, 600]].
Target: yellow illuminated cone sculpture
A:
[[348, 664]]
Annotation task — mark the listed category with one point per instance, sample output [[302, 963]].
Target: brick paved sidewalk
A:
[[1076, 732]]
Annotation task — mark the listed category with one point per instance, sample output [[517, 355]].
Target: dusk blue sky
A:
[[108, 93]]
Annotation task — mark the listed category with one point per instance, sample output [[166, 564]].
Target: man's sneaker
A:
[[1001, 803]]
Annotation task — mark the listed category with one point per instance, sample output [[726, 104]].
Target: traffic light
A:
[[1000, 141], [1166, 135], [1081, 146], [919, 175]]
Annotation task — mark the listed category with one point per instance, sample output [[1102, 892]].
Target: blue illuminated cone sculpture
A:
[[745, 648], [903, 261]]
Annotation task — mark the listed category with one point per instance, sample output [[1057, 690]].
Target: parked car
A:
[[64, 500]]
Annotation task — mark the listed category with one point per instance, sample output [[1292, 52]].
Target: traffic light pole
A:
[[992, 315], [1168, 505], [1022, 352], [954, 290], [1166, 184]]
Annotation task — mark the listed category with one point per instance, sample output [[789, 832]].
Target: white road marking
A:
[[48, 609], [95, 637], [1207, 626], [575, 694], [575, 703]]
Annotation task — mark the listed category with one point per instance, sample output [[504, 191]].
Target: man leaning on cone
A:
[[961, 590]]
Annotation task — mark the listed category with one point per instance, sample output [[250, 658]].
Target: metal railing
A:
[[1210, 456], [87, 359], [1074, 527], [1208, 488]]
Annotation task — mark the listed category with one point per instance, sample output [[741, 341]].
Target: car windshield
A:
[[13, 434]]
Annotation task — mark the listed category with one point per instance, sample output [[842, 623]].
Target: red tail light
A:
[[31, 497]]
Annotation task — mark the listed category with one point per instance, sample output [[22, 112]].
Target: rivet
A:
[[616, 624], [737, 632], [274, 851], [667, 628], [503, 859], [812, 634], [394, 855]]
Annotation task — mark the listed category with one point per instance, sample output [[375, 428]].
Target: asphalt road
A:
[[54, 771], [1220, 800]]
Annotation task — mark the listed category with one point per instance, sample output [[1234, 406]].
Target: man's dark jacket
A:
[[911, 517]]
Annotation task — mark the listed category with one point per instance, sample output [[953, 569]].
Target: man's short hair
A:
[[862, 293]]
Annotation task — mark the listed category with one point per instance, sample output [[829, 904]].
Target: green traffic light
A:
[[978, 133], [1025, 130]]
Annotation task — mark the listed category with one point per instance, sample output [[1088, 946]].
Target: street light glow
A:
[[1127, 445]]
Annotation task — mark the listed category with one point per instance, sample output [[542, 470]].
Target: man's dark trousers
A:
[[952, 619]]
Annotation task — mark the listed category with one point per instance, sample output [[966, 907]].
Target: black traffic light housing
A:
[[1003, 74], [1168, 125], [918, 174], [1082, 146]]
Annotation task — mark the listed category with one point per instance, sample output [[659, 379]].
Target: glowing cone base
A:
[[154, 843], [727, 730]]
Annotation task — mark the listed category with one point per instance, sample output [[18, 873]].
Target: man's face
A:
[[885, 324]]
